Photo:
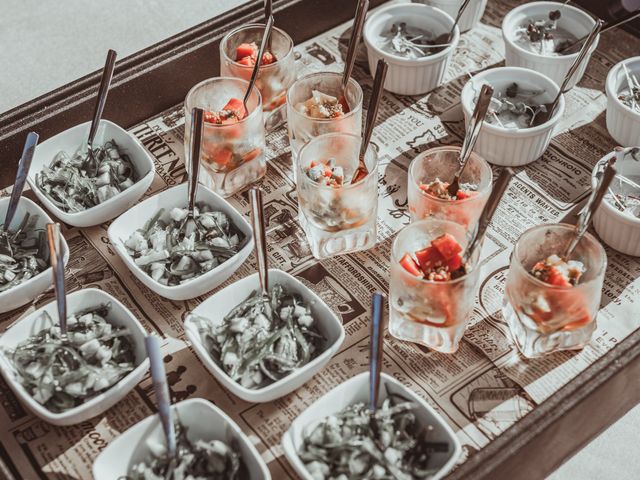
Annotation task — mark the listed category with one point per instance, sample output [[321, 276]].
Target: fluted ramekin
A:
[[471, 16], [574, 20], [410, 76], [512, 147], [617, 229], [623, 123]]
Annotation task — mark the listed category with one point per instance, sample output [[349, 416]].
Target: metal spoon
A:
[[372, 115], [586, 215], [610, 25], [256, 68], [18, 187], [160, 386], [376, 348], [105, 82], [257, 221], [356, 32], [446, 37], [57, 267], [477, 119], [543, 115], [197, 124], [268, 13]]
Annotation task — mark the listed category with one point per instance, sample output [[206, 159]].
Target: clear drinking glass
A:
[[546, 318], [441, 163], [303, 128], [434, 314], [232, 155], [274, 79], [338, 219]]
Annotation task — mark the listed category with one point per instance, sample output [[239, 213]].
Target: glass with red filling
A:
[[233, 139], [432, 290], [238, 52], [550, 302], [428, 179]]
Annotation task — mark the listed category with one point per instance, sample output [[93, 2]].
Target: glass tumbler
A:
[[441, 163], [233, 154], [431, 313], [546, 318], [338, 219], [302, 127], [273, 79]]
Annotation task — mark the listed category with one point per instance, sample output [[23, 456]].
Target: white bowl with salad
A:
[[411, 437], [84, 191], [623, 102], [22, 280], [210, 445], [257, 356], [69, 379], [174, 258]]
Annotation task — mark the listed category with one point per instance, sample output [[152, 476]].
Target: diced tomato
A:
[[464, 194], [314, 163], [246, 61], [219, 155], [557, 278], [429, 258], [251, 155], [447, 246], [237, 106], [454, 263], [246, 50], [410, 265]]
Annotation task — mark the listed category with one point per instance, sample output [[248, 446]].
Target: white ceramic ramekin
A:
[[471, 15], [410, 76], [623, 123], [509, 146], [618, 230], [574, 20]]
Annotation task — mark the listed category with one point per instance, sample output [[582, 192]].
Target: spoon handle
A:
[[105, 81], [57, 267], [376, 347], [356, 32], [160, 386], [197, 124], [610, 25], [256, 68], [576, 64], [374, 104], [461, 10], [257, 221], [21, 177]]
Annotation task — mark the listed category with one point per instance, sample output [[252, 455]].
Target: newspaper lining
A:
[[481, 390]]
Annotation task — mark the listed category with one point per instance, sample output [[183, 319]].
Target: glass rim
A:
[[422, 156], [563, 226], [476, 266], [325, 136], [236, 30], [253, 113], [351, 113]]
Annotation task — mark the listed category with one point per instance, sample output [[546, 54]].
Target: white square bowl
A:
[[26, 292], [355, 390], [204, 420], [218, 305], [30, 325], [69, 141], [135, 218]]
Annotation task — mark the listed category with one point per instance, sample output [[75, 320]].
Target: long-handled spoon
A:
[[356, 32], [57, 267], [376, 348], [197, 124], [477, 119], [597, 194], [160, 386], [18, 187], [256, 68], [543, 115], [485, 219], [268, 13], [260, 238], [610, 25], [105, 82], [445, 38], [372, 115]]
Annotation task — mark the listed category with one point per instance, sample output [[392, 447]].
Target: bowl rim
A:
[[118, 243], [422, 10], [610, 81], [56, 418], [246, 26], [68, 217], [269, 389]]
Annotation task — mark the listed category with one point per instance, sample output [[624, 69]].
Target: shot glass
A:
[[302, 127], [232, 154], [441, 164], [546, 318], [431, 313], [274, 79], [338, 219]]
